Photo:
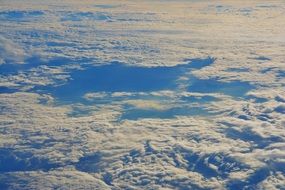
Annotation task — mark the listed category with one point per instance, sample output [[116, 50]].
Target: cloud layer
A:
[[208, 113]]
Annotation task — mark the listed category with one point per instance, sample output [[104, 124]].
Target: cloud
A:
[[147, 104], [273, 182], [185, 151], [10, 52], [87, 144], [65, 178]]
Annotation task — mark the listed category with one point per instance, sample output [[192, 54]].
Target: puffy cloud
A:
[[64, 178], [195, 152], [11, 52], [147, 104]]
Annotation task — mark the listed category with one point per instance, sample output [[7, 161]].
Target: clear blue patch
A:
[[4, 89], [12, 161], [262, 58], [199, 63], [233, 88], [201, 100], [19, 15], [135, 114], [280, 109], [117, 77], [281, 74], [79, 16], [4, 184], [256, 99], [60, 44], [10, 68]]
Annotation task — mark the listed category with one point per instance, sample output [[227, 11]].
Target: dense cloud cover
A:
[[142, 94]]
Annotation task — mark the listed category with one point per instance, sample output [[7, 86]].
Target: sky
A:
[[144, 94]]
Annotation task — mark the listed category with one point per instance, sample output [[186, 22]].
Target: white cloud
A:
[[147, 104], [242, 136], [135, 148], [10, 52]]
